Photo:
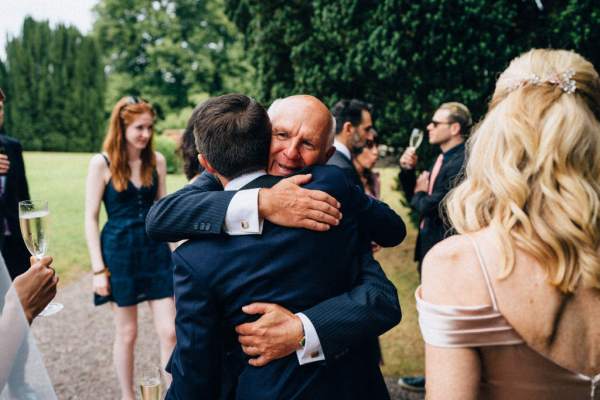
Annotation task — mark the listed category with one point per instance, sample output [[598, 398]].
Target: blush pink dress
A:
[[510, 369]]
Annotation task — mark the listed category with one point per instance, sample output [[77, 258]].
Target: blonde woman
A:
[[510, 308], [129, 268]]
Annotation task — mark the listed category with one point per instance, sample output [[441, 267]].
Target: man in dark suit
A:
[[353, 126], [302, 135], [297, 268], [447, 128], [13, 188]]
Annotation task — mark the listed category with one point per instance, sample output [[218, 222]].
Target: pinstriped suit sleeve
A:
[[191, 212], [371, 307], [365, 312]]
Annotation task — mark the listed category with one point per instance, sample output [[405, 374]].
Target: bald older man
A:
[[302, 135]]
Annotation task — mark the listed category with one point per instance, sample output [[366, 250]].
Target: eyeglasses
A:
[[436, 123]]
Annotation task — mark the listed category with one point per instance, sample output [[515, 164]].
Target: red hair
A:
[[123, 114]]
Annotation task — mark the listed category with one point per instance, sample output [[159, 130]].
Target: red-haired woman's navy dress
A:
[[140, 267]]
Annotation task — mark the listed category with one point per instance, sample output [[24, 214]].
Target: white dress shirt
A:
[[341, 147], [242, 218]]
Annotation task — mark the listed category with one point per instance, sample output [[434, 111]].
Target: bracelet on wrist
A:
[[103, 271]]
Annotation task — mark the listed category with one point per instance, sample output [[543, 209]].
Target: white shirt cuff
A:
[[242, 214], [312, 350]]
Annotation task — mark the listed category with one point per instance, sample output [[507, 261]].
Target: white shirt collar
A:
[[341, 147], [242, 180]]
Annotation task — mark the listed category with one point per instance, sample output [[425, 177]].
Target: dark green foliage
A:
[[168, 148], [406, 57], [55, 88], [168, 50]]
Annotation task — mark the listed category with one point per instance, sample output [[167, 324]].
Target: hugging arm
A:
[[202, 207], [191, 212]]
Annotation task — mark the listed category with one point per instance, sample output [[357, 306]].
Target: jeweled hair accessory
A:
[[564, 80]]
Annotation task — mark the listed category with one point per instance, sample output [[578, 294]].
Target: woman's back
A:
[[532, 341]]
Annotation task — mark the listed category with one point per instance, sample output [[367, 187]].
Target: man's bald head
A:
[[303, 132]]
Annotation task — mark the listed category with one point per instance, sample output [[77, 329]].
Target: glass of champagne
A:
[[416, 138], [33, 218], [151, 384]]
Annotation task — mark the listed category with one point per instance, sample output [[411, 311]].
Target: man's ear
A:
[[329, 153], [455, 129], [205, 164], [346, 128]]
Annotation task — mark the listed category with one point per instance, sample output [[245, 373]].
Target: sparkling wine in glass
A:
[[33, 218], [151, 384], [416, 138]]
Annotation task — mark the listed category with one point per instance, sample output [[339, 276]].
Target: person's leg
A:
[[163, 313], [125, 335]]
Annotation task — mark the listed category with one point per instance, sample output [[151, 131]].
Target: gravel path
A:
[[77, 347]]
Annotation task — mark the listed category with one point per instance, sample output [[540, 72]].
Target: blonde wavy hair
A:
[[533, 169]]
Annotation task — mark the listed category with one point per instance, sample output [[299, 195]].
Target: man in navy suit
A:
[[13, 188], [353, 126], [302, 135], [296, 268]]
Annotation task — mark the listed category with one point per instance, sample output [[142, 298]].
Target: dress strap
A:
[[485, 272], [105, 159]]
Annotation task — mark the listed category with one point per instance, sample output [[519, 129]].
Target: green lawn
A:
[[60, 179]]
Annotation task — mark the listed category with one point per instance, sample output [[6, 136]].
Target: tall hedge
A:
[[54, 82], [406, 57]]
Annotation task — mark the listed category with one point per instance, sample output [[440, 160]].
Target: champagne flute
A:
[[416, 137], [33, 218], [151, 384]]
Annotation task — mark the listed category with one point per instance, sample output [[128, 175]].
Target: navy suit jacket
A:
[[340, 160], [15, 253], [296, 268], [435, 226], [365, 311]]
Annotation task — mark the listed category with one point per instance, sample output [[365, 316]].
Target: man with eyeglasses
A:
[[353, 127], [447, 129]]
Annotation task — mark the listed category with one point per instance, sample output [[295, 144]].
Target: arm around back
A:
[[191, 212], [368, 310]]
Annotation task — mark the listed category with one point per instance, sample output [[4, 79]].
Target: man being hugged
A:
[[296, 268]]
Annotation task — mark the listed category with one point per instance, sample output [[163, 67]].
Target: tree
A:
[[405, 57], [167, 50], [55, 88]]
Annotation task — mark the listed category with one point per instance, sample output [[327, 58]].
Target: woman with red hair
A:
[[128, 266]]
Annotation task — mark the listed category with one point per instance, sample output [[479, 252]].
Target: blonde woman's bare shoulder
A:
[[452, 275]]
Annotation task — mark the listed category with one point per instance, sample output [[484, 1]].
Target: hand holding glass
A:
[[33, 218], [416, 137]]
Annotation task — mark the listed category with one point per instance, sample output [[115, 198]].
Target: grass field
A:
[[60, 179]]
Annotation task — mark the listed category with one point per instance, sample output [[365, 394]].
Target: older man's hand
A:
[[36, 287], [276, 334], [287, 204], [4, 164]]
